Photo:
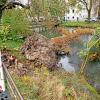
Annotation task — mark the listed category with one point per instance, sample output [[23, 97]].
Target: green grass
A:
[[81, 24], [50, 35], [29, 93], [13, 48], [9, 44]]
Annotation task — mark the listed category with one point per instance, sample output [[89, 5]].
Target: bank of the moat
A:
[[72, 62]]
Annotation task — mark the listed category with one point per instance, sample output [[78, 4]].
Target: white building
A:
[[74, 14], [24, 2]]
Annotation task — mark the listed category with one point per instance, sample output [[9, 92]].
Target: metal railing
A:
[[6, 76]]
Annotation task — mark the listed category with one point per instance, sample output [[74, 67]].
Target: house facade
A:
[[76, 14]]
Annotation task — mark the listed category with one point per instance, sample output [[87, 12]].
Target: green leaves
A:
[[57, 7], [3, 2], [17, 20], [72, 2], [4, 31]]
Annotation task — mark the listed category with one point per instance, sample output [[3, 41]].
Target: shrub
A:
[[17, 19]]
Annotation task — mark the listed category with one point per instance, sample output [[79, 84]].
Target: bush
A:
[[17, 20]]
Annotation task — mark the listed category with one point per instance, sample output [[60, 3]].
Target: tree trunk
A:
[[99, 13], [0, 16], [89, 15], [0, 13], [89, 9]]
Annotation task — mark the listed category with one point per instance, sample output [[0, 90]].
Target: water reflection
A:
[[71, 63], [65, 63]]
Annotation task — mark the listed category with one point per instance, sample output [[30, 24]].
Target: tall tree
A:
[[99, 13], [88, 5], [98, 9]]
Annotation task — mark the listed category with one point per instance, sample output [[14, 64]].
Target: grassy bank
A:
[[10, 44], [57, 85], [81, 24]]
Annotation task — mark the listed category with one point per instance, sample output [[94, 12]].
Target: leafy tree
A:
[[57, 7], [47, 12], [91, 4]]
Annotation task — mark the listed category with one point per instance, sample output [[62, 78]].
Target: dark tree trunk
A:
[[99, 13], [0, 16], [89, 15], [1, 12]]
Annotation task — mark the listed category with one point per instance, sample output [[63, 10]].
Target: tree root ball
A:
[[40, 50]]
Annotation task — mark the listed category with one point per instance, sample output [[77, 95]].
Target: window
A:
[[68, 11], [73, 10], [77, 18]]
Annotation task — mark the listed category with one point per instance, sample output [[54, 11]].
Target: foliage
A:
[[8, 40], [14, 28], [72, 2], [57, 7], [4, 31], [17, 20], [92, 46], [48, 8], [46, 13], [50, 35], [2, 1], [9, 44]]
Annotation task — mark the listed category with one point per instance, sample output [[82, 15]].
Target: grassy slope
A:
[[44, 85]]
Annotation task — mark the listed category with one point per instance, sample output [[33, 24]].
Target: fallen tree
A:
[[40, 50]]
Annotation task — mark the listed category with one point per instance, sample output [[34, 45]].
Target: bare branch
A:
[[11, 4], [85, 3]]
